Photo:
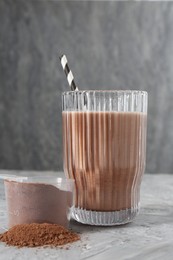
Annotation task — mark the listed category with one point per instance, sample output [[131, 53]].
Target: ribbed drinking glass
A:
[[104, 151]]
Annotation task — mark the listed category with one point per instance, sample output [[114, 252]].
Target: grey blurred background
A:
[[109, 45]]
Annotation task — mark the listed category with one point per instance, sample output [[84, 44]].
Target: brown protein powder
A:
[[33, 235]]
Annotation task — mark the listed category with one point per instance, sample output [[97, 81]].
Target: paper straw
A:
[[68, 73]]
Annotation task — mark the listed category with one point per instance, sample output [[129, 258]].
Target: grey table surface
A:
[[150, 236]]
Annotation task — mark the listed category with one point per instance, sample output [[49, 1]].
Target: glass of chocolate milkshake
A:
[[104, 141]]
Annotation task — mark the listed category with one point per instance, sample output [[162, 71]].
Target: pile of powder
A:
[[33, 235]]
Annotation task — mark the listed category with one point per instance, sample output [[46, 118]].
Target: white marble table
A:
[[150, 236]]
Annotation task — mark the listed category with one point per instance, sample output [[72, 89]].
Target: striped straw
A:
[[68, 73]]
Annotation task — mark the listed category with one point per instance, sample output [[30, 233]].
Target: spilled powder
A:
[[34, 235]]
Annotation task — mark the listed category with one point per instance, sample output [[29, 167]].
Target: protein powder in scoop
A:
[[29, 202]]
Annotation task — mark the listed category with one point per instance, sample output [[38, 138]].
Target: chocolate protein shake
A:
[[36, 203], [105, 153], [104, 141]]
